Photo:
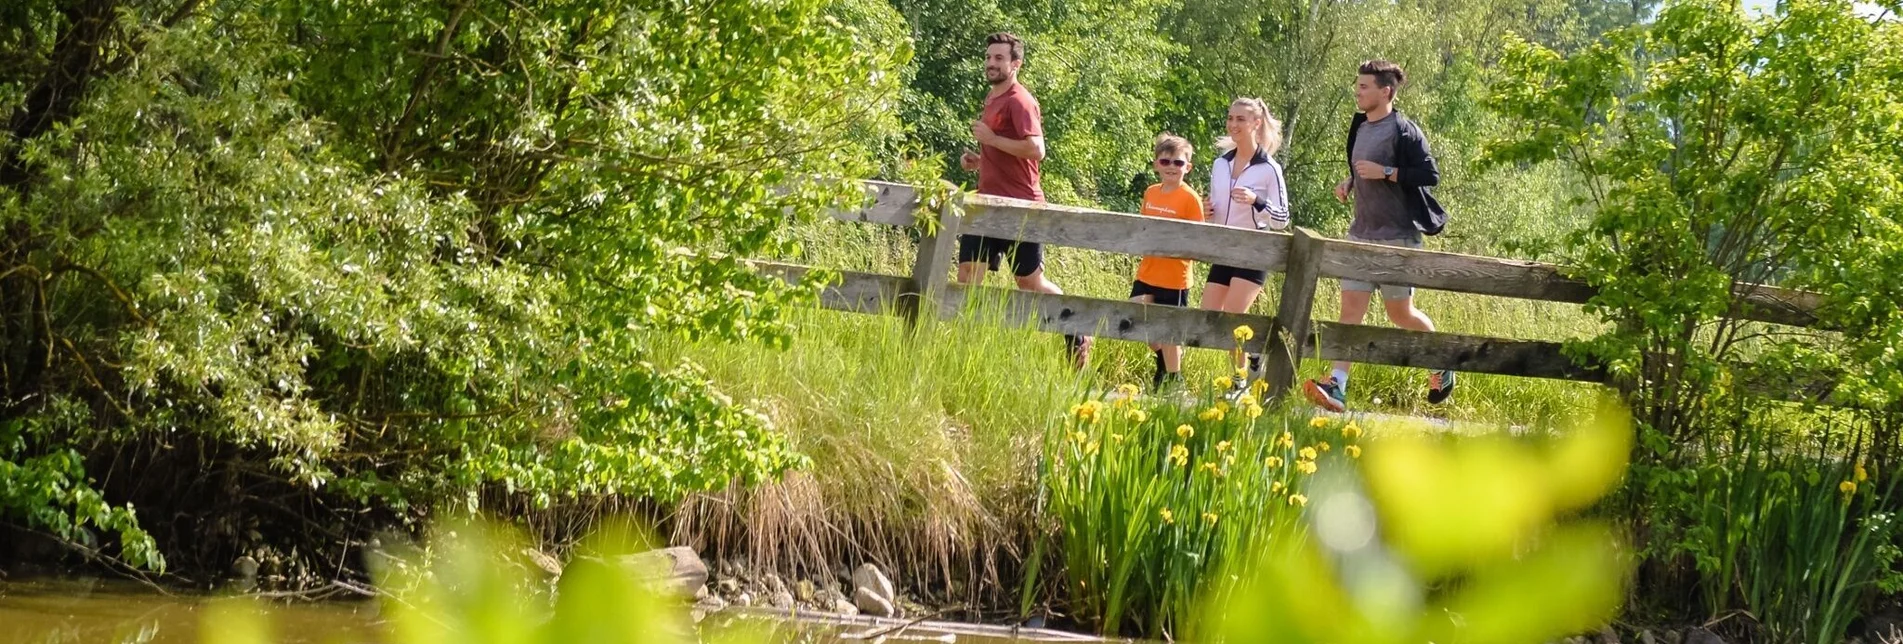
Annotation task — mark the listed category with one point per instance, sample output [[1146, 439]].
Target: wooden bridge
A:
[[1302, 257]]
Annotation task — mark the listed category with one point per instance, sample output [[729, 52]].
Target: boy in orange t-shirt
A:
[[1165, 280]]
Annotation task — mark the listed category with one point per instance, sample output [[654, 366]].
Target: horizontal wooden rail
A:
[[877, 294], [895, 204], [1124, 320]]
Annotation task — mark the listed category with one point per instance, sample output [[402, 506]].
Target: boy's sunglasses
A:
[[1175, 162]]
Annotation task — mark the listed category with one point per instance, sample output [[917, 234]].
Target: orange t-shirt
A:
[[1181, 203]]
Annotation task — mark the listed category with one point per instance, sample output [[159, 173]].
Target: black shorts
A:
[[1026, 257], [1220, 274], [1160, 295]]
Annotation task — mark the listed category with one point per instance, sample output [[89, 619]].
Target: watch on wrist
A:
[[1387, 171]]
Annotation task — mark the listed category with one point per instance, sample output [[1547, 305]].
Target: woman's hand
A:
[[1241, 194]]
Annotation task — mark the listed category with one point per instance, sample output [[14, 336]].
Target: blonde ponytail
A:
[[1268, 135]]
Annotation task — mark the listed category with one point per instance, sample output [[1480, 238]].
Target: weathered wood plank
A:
[[1522, 279], [1463, 353], [1780, 305], [855, 291], [1289, 338], [890, 204], [1119, 319], [1123, 233], [936, 251], [1450, 272]]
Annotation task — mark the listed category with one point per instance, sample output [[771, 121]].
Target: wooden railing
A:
[[1302, 257]]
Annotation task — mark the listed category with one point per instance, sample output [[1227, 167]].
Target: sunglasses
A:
[[1175, 162]]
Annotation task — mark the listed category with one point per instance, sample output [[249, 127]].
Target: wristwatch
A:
[[1387, 172]]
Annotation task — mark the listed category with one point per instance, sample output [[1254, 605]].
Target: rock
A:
[[805, 591], [710, 604], [727, 586], [1608, 636], [1674, 637], [677, 570], [743, 599], [245, 568], [1702, 636], [845, 607], [867, 577], [549, 565], [782, 600], [773, 583], [1883, 629], [1645, 637], [869, 601]]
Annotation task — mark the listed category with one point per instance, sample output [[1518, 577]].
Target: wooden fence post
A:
[[1288, 333], [936, 249]]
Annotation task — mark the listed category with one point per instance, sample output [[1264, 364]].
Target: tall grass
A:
[[1797, 533], [923, 443], [1153, 499]]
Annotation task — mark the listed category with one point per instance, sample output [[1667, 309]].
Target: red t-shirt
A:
[[1012, 115]]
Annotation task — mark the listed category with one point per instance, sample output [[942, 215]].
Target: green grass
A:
[[924, 446]]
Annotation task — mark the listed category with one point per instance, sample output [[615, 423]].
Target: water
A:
[[88, 611]]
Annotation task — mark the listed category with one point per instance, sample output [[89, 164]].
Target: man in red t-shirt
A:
[[1010, 135]]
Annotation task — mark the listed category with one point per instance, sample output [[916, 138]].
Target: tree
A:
[[386, 255], [1722, 152]]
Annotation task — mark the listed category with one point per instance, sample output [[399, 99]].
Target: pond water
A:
[[75, 611]]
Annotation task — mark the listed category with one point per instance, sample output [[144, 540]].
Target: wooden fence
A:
[[1302, 258]]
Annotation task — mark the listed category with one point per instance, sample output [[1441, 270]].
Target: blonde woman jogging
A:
[[1246, 190]]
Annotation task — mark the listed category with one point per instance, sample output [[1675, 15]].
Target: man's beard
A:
[[994, 76]]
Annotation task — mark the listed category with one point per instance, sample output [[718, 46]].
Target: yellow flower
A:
[[1185, 431], [1252, 410], [1088, 411], [1847, 487], [1350, 431], [1272, 462], [1127, 390], [1318, 422], [1307, 453], [1090, 448], [1209, 518], [1259, 389], [1242, 374], [1213, 414], [1275, 487], [1286, 441], [1222, 447], [1137, 416], [1306, 467], [1212, 469], [1862, 474], [1179, 455], [1244, 334], [1223, 405], [1116, 438], [1297, 500], [1324, 446], [1223, 382], [1168, 517], [1353, 451]]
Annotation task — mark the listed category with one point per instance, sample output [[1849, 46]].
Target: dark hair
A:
[[1005, 38], [1172, 144], [1385, 74]]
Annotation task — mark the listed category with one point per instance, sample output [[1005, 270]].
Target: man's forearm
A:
[[1020, 148]]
